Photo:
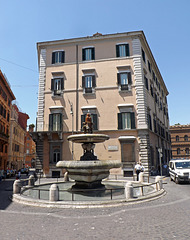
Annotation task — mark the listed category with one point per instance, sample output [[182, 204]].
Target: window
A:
[[56, 155], [88, 54], [149, 121], [88, 83], [151, 90], [58, 57], [187, 151], [146, 82], [27, 151], [143, 56], [57, 85], [122, 50], [94, 120], [126, 120], [149, 66], [124, 80], [178, 151], [55, 122], [185, 138]]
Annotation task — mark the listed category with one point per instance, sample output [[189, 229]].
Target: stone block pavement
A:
[[165, 218]]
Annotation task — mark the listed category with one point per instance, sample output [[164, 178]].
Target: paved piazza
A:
[[165, 218]]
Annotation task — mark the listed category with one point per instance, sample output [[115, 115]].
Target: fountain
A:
[[88, 172]]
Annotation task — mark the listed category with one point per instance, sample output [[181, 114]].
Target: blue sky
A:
[[164, 22]]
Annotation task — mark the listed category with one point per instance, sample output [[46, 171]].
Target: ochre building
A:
[[180, 141], [6, 97], [115, 78]]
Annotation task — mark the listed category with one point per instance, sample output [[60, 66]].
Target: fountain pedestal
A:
[[89, 171]]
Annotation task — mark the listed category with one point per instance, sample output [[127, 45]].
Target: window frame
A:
[[124, 87], [91, 89], [54, 122], [91, 54], [118, 51], [121, 123], [60, 59], [57, 92]]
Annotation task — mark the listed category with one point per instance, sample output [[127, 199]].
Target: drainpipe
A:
[[77, 86]]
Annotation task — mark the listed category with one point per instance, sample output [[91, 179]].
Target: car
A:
[[179, 170]]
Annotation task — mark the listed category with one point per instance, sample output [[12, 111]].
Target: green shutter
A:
[[53, 57], [117, 51], [129, 78], [93, 81], [60, 118], [133, 120], [93, 53], [52, 84], [63, 57], [127, 50], [62, 84], [83, 55], [119, 116], [83, 81], [51, 122], [95, 121], [118, 79], [82, 120]]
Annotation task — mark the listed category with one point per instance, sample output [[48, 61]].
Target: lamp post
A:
[[71, 112]]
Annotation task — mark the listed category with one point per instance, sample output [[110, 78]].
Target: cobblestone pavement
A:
[[165, 218]]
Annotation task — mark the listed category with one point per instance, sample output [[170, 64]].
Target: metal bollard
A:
[[128, 190], [141, 177], [54, 193], [17, 186], [31, 181]]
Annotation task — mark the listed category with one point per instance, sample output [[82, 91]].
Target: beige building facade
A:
[[116, 79]]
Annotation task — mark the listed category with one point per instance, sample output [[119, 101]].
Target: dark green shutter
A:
[[117, 51], [82, 120], [119, 115], [83, 54], [127, 50], [53, 57], [118, 79], [62, 56], [52, 84], [95, 121], [93, 53], [93, 81], [83, 81], [51, 122], [132, 120], [129, 78], [62, 84], [60, 122]]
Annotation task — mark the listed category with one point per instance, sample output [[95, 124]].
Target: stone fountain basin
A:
[[88, 138], [89, 171]]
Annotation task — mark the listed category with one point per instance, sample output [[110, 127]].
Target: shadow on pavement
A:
[[6, 190]]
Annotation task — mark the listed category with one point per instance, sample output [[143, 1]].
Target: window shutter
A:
[[83, 54], [93, 53], [82, 120], [52, 84], [129, 78], [132, 120], [93, 81], [63, 57], [94, 119], [60, 118], [50, 122], [53, 57], [127, 50], [119, 115], [117, 50], [83, 81], [62, 84], [118, 79]]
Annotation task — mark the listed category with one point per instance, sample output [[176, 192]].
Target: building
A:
[[30, 150], [114, 77], [16, 153], [180, 141], [6, 97]]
